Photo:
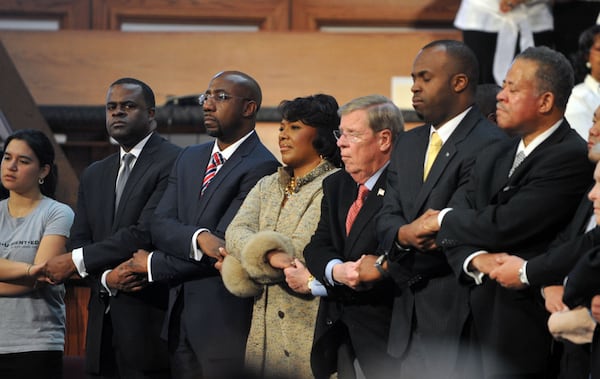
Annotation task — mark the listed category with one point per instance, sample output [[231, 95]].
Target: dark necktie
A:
[[211, 170], [123, 176], [363, 191]]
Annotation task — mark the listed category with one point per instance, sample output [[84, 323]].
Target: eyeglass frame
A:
[[351, 137], [219, 97]]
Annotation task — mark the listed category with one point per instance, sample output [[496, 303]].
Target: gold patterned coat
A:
[[283, 321]]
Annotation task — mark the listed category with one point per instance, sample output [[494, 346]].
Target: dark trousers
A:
[[32, 365]]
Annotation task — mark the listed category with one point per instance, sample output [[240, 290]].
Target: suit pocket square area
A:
[[576, 325]]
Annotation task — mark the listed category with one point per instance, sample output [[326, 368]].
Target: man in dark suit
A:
[[353, 320], [520, 194], [207, 326], [430, 309], [548, 270], [123, 331]]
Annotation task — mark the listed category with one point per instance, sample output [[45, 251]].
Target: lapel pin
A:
[[380, 192]]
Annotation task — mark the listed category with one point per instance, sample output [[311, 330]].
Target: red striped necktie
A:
[[211, 170], [363, 191]]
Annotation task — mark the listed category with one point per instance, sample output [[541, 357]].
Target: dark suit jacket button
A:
[[329, 322], [287, 353], [280, 314]]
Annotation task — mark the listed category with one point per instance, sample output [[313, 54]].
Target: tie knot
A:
[[363, 191], [217, 158], [435, 140], [127, 158]]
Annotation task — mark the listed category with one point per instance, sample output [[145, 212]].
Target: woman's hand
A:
[[297, 277], [279, 259]]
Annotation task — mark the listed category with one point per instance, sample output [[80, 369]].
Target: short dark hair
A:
[[554, 73], [41, 146], [146, 90], [580, 58], [465, 60], [321, 112]]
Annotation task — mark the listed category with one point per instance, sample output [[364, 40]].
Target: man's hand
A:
[[59, 268], [553, 296], [421, 232], [486, 262], [507, 274], [366, 270], [219, 263], [210, 244], [123, 279], [347, 273], [139, 262], [595, 308], [296, 276]]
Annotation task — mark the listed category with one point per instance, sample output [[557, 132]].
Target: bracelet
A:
[[311, 279], [28, 270]]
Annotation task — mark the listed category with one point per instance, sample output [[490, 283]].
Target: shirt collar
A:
[[538, 140], [370, 183], [229, 150], [445, 130], [137, 149]]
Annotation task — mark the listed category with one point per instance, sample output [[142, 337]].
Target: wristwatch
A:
[[523, 274], [379, 265]]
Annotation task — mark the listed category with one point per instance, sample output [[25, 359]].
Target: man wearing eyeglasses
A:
[[428, 165], [352, 323], [207, 326]]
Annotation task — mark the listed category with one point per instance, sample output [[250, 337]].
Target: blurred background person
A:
[[33, 228], [269, 233], [496, 30], [585, 96]]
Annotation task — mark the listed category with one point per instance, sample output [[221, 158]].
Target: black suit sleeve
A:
[[583, 281]]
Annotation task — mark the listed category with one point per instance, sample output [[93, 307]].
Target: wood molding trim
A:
[[272, 15], [71, 14], [310, 15]]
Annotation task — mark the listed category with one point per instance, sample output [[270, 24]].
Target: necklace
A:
[[291, 187]]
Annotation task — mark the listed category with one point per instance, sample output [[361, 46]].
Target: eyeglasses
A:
[[351, 137], [219, 97]]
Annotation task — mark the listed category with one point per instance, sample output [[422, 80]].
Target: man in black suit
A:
[[353, 319], [207, 326], [123, 331], [430, 309], [520, 194], [548, 270]]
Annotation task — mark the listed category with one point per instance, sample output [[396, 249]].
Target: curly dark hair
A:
[[321, 112]]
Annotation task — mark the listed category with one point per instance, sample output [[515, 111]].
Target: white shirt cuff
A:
[[110, 291], [441, 215], [197, 254], [149, 266], [317, 288], [475, 274], [77, 257], [329, 270]]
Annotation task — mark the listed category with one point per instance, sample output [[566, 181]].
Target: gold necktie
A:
[[435, 145]]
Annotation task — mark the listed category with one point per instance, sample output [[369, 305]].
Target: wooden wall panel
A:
[[309, 15], [72, 14], [75, 68], [266, 14]]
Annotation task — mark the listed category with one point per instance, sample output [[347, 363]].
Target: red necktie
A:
[[211, 170], [363, 191]]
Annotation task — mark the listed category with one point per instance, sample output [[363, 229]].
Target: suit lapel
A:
[[142, 164], [448, 151], [229, 166], [367, 213]]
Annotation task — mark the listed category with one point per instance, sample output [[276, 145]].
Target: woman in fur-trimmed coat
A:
[[266, 239]]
